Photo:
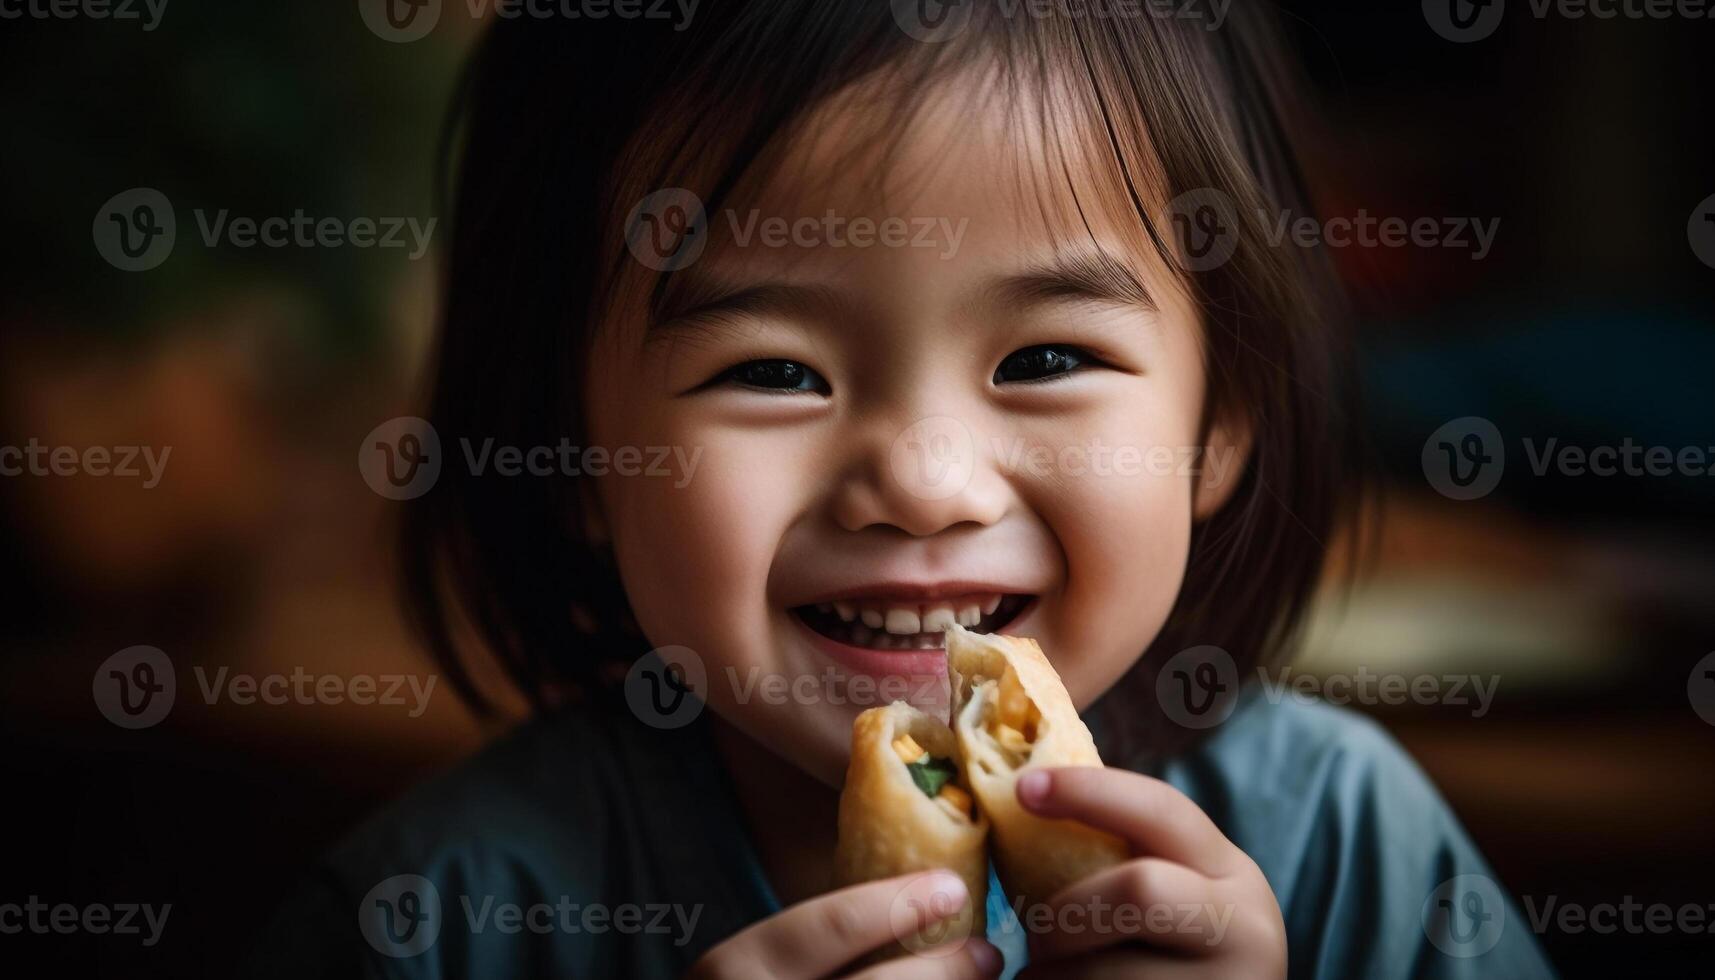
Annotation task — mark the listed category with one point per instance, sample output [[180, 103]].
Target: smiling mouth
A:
[[909, 626]]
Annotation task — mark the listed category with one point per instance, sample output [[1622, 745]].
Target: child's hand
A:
[[816, 937], [1193, 905]]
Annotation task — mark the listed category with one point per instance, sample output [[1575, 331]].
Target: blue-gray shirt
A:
[[588, 844]]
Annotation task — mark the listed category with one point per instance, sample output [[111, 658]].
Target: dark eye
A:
[[777, 375], [1040, 363]]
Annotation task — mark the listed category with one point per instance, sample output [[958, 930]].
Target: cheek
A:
[[694, 549], [1124, 524]]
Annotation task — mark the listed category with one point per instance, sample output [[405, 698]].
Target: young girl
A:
[[898, 315]]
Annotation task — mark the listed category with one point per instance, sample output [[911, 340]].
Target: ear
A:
[[1226, 453]]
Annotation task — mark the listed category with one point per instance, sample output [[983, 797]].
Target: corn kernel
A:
[[957, 797], [1013, 705], [907, 749], [1011, 739]]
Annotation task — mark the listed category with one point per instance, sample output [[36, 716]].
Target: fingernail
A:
[[1033, 788], [985, 957], [945, 884]]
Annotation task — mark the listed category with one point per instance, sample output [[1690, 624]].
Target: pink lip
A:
[[910, 664]]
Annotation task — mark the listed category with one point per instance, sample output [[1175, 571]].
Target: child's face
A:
[[901, 472]]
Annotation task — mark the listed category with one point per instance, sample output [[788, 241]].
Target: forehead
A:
[[981, 178], [1027, 166]]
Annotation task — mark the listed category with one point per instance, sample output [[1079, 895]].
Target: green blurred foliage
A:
[[258, 108]]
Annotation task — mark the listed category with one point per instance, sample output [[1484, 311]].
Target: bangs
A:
[[1111, 119]]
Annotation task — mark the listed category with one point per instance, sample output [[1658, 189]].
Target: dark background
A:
[[263, 550]]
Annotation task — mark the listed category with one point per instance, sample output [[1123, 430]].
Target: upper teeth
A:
[[915, 617]]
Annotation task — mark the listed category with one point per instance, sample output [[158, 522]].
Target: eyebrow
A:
[[693, 300], [1078, 275]]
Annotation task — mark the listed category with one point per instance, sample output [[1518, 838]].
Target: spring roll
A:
[[905, 808], [1010, 713]]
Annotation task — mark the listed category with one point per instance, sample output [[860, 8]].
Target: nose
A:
[[921, 476]]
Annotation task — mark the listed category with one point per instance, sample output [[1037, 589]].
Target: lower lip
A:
[[878, 663]]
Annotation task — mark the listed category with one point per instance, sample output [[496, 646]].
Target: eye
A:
[[1041, 363], [776, 375]]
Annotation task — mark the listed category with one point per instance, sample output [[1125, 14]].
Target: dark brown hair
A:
[[560, 126]]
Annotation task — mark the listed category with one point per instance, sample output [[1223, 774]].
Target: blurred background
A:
[[1589, 599]]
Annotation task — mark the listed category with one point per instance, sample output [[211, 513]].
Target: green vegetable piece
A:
[[930, 774]]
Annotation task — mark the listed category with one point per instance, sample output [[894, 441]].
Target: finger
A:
[[818, 936], [1122, 962], [1153, 817], [976, 959], [1166, 905]]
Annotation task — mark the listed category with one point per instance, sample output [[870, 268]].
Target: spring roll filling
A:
[[1012, 719], [934, 775]]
